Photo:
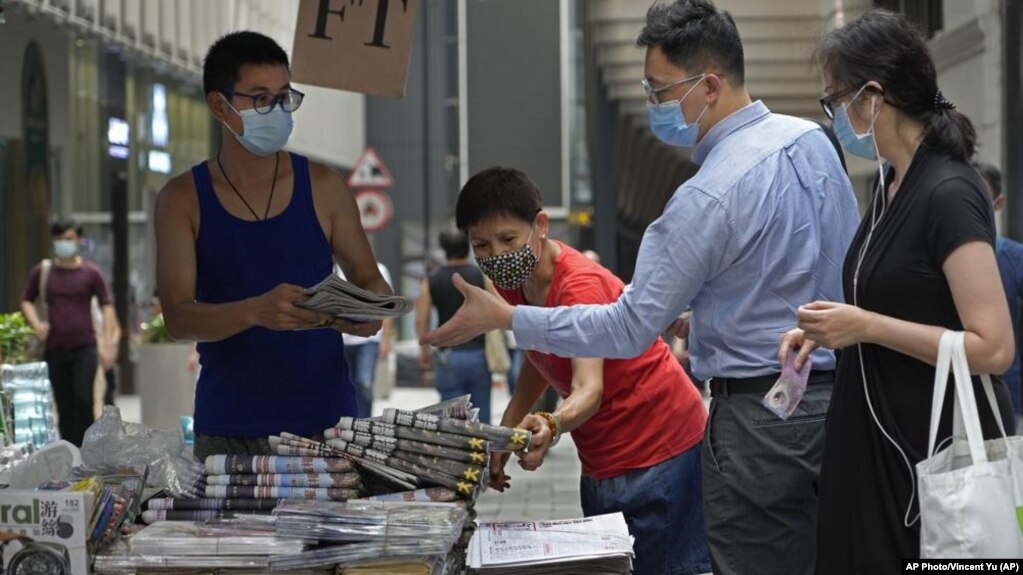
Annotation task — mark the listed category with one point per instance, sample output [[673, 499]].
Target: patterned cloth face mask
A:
[[510, 270]]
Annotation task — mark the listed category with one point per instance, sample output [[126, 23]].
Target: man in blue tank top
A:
[[238, 238]]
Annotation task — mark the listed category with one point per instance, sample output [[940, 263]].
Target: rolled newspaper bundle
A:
[[426, 495], [289, 444], [471, 473], [260, 464], [461, 486], [389, 444], [380, 428], [499, 438], [307, 446], [150, 517], [456, 408], [336, 480], [168, 504], [264, 492]]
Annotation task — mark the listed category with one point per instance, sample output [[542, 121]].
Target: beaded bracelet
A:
[[554, 424]]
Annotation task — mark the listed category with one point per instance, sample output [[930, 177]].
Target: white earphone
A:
[[880, 196]]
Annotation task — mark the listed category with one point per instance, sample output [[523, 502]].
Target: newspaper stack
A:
[[598, 545], [340, 298], [359, 533], [439, 450], [187, 545], [170, 509], [266, 477]]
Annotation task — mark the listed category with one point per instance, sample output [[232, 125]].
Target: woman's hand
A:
[[834, 325]]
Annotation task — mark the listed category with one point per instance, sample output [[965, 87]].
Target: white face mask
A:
[[262, 134], [65, 249]]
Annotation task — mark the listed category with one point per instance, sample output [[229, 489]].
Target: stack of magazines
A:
[[344, 299], [600, 545]]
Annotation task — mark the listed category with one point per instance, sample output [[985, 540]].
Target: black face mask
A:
[[510, 270]]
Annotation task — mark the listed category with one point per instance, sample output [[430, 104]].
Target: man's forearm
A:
[[208, 322], [111, 327]]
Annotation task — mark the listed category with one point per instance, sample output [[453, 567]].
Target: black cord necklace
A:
[[277, 163]]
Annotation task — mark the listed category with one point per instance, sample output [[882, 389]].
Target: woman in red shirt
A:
[[637, 423]]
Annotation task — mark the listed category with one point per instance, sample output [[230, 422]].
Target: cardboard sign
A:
[[356, 45]]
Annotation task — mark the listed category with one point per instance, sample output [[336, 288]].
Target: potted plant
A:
[[165, 384], [15, 337]]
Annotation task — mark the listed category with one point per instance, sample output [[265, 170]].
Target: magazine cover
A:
[[44, 532]]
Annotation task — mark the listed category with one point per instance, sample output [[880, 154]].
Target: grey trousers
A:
[[760, 478]]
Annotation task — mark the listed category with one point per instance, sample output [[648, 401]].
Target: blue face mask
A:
[[669, 124], [861, 145], [263, 134]]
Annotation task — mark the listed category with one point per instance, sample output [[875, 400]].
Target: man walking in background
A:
[[65, 287]]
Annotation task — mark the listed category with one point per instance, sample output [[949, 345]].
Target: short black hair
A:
[[497, 191], [225, 58], [887, 48], [455, 244], [64, 224], [695, 35], [992, 175]]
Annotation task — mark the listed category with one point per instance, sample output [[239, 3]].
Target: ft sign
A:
[[356, 45]]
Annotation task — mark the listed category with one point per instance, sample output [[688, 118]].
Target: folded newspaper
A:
[[595, 545], [344, 299]]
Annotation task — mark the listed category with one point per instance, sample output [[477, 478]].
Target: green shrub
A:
[[156, 331], [15, 335]]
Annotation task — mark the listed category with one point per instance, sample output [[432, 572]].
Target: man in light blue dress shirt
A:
[[760, 229]]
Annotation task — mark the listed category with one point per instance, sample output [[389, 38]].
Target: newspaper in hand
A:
[[344, 299], [788, 391]]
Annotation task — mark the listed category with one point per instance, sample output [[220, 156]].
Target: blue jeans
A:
[[362, 364], [663, 506], [462, 371], [516, 356]]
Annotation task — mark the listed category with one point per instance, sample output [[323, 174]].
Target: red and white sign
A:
[[370, 172], [375, 209]]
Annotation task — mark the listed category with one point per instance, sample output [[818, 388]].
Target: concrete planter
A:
[[166, 388]]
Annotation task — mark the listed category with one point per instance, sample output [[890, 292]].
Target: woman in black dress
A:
[[922, 262]]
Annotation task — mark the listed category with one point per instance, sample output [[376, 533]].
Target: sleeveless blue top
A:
[[261, 382]]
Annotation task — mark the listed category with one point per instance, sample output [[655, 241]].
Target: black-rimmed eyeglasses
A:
[[264, 102], [828, 102]]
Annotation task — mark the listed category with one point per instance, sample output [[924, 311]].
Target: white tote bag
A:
[[971, 493]]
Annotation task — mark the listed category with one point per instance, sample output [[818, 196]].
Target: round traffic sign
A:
[[375, 209]]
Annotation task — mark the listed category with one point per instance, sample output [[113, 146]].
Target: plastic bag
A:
[[51, 463], [112, 442], [788, 391]]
